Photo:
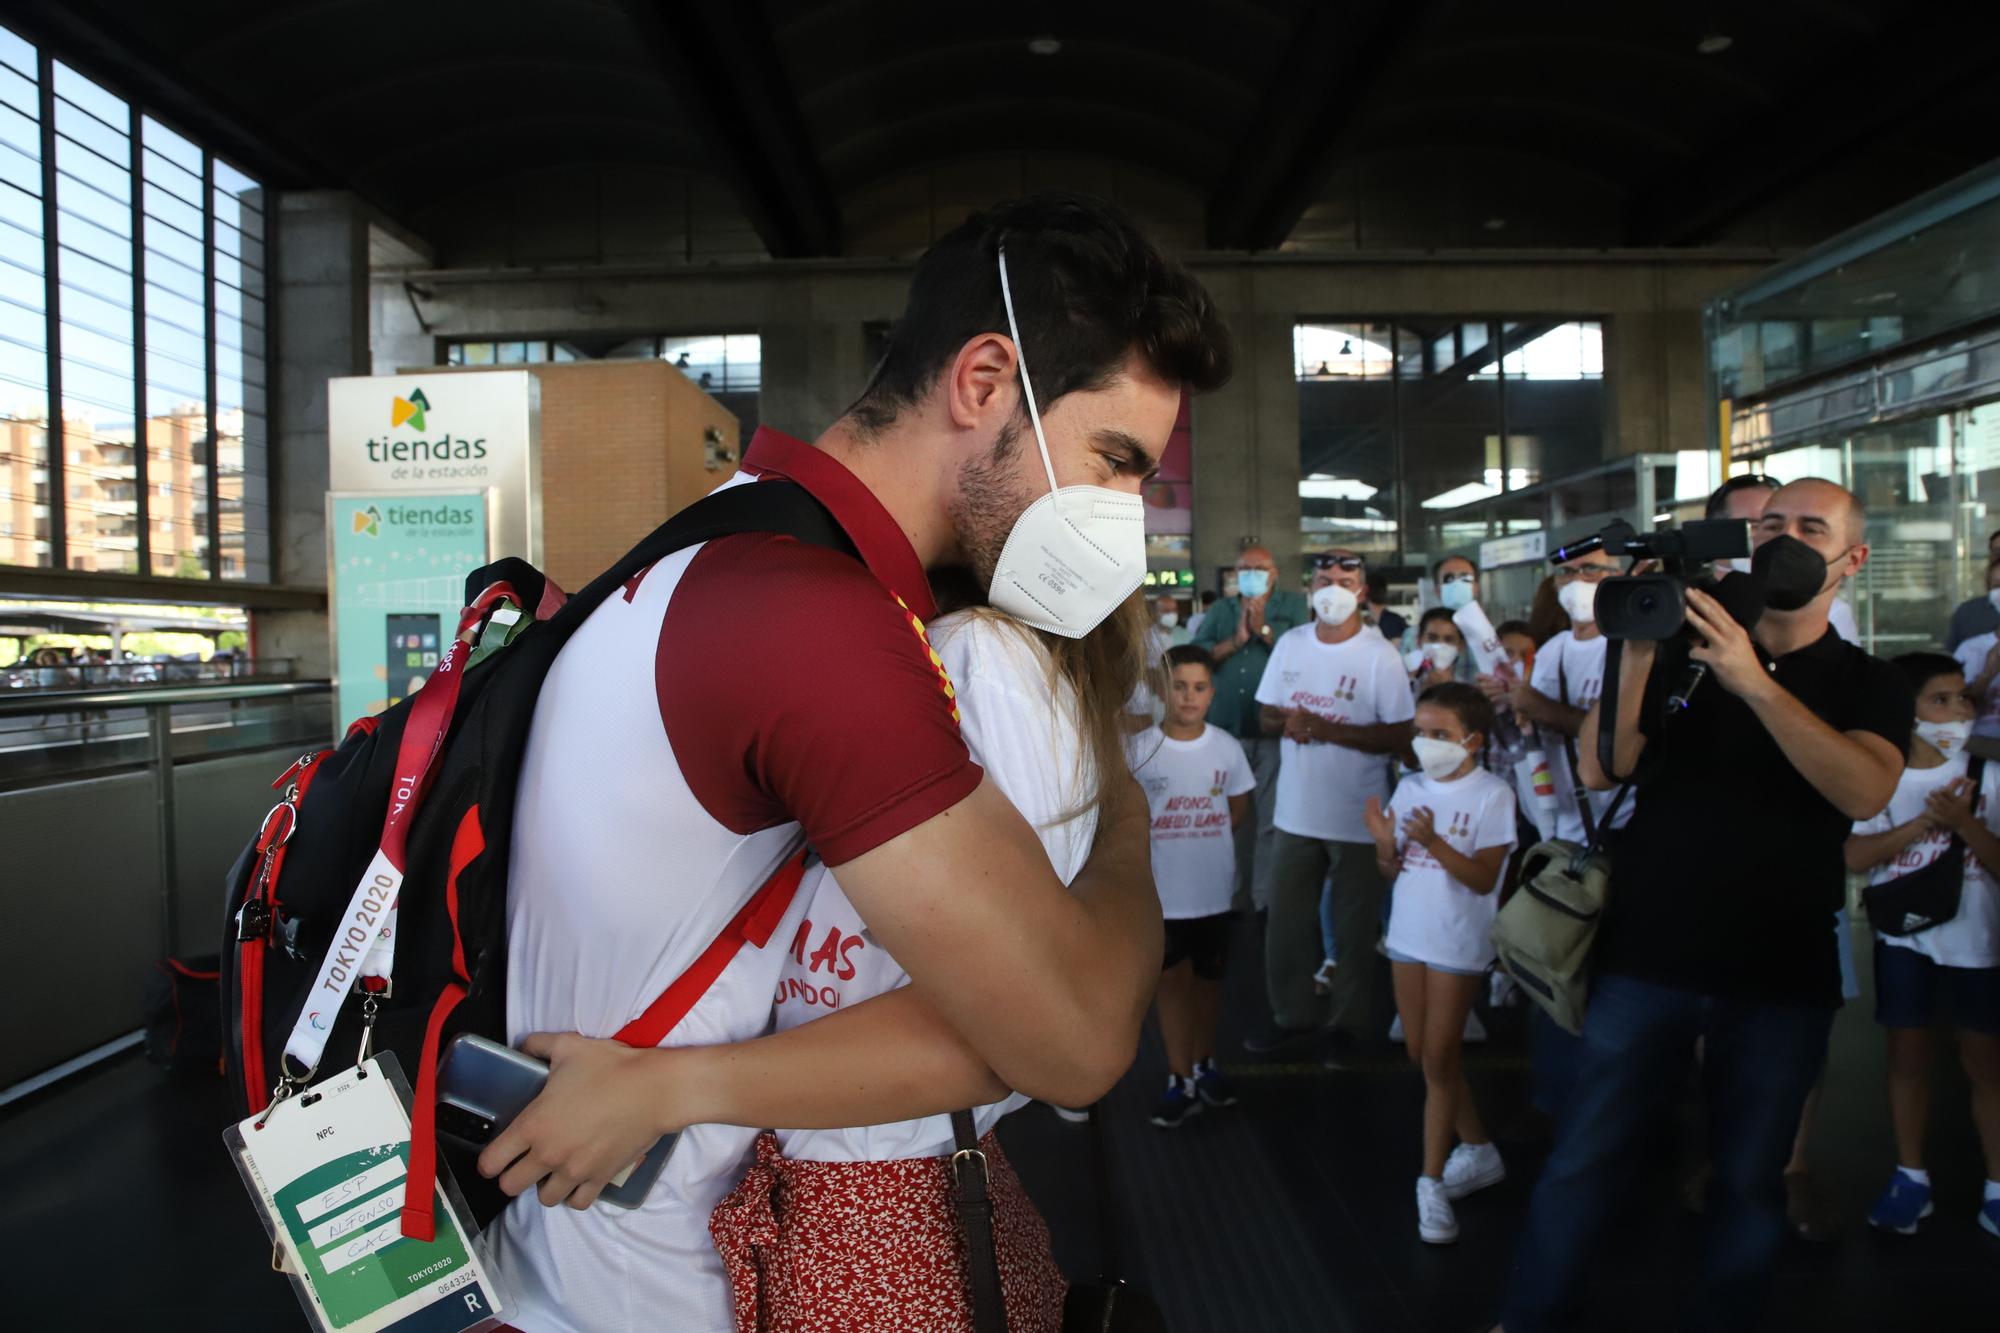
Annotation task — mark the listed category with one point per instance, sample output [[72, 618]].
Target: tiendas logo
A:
[[444, 448], [410, 409]]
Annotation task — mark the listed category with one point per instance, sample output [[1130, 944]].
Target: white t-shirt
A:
[[1972, 938], [1188, 785], [1432, 917], [1566, 661], [1360, 681], [1972, 656], [1023, 730], [1841, 616]]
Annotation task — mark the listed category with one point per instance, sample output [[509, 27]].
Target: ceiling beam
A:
[[1334, 64], [723, 67], [1888, 79]]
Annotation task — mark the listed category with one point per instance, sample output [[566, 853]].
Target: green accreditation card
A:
[[327, 1171]]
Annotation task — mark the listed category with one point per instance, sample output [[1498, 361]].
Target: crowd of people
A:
[[1728, 948], [1036, 803]]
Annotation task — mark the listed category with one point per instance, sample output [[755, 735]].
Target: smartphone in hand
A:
[[483, 1085]]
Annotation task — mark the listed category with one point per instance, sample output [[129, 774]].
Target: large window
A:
[[727, 366], [132, 312], [1401, 416]]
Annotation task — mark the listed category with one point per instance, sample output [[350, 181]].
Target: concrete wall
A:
[[1246, 437]]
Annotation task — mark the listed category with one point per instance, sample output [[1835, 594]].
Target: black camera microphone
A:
[[1743, 598]]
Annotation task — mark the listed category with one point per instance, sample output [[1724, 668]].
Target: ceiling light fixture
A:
[[1714, 43], [1044, 45]]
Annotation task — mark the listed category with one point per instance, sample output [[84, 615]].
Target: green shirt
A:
[[1235, 709]]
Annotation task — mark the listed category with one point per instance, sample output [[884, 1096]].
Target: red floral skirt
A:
[[875, 1247]]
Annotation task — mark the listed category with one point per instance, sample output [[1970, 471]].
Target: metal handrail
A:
[[60, 700]]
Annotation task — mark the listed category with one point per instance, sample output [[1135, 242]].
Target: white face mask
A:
[[1169, 619], [1441, 655], [1579, 601], [1438, 759], [1947, 738], [1075, 553], [1334, 605]]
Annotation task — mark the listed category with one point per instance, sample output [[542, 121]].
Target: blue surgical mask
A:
[[1253, 582], [1455, 593]]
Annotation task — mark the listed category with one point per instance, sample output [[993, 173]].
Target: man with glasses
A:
[[1238, 632], [1568, 675], [1337, 694]]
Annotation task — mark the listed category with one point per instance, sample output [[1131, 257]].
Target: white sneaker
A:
[[1471, 1167], [1503, 991], [1437, 1224], [1475, 1031], [1396, 1028]]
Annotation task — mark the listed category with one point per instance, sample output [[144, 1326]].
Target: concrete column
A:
[[812, 372], [1246, 449], [321, 305]]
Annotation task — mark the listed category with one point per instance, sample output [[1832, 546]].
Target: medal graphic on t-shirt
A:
[[1221, 779], [1461, 824], [1346, 688]]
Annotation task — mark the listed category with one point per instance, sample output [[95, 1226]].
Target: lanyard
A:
[[363, 953]]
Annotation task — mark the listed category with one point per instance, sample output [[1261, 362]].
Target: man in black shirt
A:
[[1720, 919]]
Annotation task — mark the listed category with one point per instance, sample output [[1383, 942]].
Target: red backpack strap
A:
[[753, 926]]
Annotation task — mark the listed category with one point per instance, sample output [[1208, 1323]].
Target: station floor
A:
[[1291, 1211]]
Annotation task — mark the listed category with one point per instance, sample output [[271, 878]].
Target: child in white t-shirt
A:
[[1445, 838], [1197, 782], [1957, 960]]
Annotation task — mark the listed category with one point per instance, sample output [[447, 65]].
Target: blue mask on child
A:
[[1253, 582]]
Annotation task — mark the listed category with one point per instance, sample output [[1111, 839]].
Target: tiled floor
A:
[[1291, 1211]]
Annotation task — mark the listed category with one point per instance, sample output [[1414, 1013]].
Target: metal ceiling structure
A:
[[1529, 124]]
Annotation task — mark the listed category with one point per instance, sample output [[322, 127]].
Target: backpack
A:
[[428, 788]]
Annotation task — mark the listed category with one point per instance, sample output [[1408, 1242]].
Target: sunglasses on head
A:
[[1348, 562]]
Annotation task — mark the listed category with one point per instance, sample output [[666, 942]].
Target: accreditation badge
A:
[[326, 1170]]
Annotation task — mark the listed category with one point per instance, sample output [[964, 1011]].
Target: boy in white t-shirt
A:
[[1198, 783], [1936, 800], [1445, 838]]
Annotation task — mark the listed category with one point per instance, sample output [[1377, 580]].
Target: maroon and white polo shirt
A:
[[737, 698]]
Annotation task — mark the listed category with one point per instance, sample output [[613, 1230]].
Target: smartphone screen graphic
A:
[[414, 646]]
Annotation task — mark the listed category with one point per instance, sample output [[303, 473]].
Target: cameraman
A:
[[1717, 929]]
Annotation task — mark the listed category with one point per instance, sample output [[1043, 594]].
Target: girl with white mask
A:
[[1445, 839]]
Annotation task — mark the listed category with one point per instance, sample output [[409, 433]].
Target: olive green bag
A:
[[1544, 932]]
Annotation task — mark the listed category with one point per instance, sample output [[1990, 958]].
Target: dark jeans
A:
[[1555, 1055], [1758, 1064]]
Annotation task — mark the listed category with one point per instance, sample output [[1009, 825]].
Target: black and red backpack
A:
[[289, 892]]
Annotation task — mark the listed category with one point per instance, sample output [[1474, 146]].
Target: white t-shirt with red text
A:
[[1573, 667], [1188, 785], [1360, 681], [1434, 918], [1972, 938], [1022, 729]]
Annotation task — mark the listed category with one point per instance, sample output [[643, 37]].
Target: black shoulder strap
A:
[[782, 507]]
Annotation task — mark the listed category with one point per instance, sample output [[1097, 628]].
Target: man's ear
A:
[[981, 385], [1857, 556]]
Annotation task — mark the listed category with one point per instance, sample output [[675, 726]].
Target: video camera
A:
[[1654, 606]]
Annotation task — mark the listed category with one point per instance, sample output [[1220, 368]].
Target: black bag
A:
[[184, 1016], [289, 890], [1105, 1306], [1912, 903]]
